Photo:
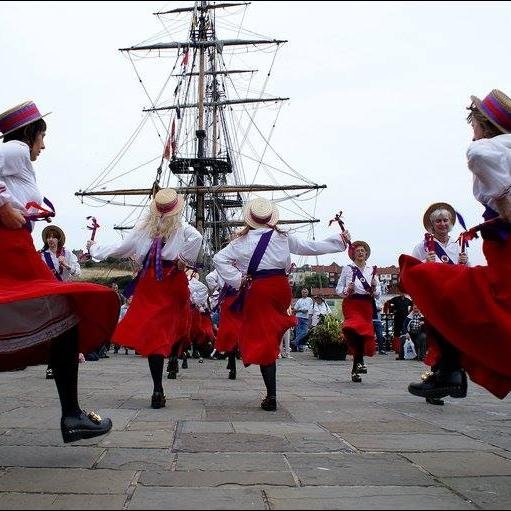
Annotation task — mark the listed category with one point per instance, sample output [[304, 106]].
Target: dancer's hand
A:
[[463, 258], [11, 218], [346, 237], [181, 265], [504, 207], [90, 243], [431, 257]]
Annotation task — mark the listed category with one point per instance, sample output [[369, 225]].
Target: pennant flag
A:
[[184, 62]]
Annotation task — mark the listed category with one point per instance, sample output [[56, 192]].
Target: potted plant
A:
[[326, 341]]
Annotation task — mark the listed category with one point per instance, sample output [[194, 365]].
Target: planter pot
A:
[[333, 351]]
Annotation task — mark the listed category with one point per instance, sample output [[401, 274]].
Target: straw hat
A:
[[58, 232], [426, 221], [19, 116], [496, 107], [260, 213], [354, 245], [167, 202]]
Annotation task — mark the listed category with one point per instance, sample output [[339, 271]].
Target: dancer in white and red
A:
[[156, 321], [439, 247], [199, 330], [43, 320], [359, 286], [255, 263], [61, 261], [469, 308], [229, 324], [202, 327]]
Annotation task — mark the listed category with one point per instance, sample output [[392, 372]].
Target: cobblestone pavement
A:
[[332, 444]]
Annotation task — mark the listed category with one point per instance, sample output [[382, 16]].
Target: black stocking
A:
[[64, 362], [269, 373], [156, 366], [231, 361]]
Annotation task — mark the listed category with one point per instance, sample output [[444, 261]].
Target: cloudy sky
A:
[[377, 112]]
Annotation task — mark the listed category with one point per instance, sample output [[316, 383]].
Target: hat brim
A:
[[48, 228], [437, 205], [354, 244], [23, 125], [247, 218], [479, 105], [178, 209]]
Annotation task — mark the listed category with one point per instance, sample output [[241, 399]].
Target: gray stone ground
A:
[[332, 444]]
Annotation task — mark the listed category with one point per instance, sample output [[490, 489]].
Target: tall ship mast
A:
[[205, 124]]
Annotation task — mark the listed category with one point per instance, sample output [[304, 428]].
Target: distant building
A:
[[389, 278], [333, 271]]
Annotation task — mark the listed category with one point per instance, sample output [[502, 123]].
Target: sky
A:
[[377, 111]]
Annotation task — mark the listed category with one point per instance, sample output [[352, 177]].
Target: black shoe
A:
[[435, 401], [49, 374], [158, 400], [356, 378], [172, 375], [86, 426], [269, 404], [184, 365], [381, 352], [439, 385], [361, 369], [232, 374]]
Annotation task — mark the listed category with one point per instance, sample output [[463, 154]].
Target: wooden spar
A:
[[215, 104], [226, 72], [204, 44], [200, 8], [206, 189]]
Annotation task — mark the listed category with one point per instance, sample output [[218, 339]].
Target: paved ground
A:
[[332, 444]]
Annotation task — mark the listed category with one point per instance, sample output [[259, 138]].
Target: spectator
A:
[[303, 311]]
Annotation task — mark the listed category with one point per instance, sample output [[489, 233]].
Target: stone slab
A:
[[206, 427], [461, 464], [231, 461], [70, 480], [486, 492], [196, 498], [142, 439], [365, 497], [229, 442], [201, 478], [415, 442], [356, 470], [137, 459], [36, 456]]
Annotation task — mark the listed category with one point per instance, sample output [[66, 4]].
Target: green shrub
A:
[[327, 331]]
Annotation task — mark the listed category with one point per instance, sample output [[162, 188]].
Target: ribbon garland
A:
[[44, 214]]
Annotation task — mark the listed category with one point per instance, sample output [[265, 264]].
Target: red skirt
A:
[[23, 276], [358, 324], [228, 327], [265, 320], [471, 308], [156, 321]]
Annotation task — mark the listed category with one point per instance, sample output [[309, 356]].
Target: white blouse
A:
[[17, 175], [347, 277], [233, 260], [489, 159], [71, 260], [184, 243], [29, 322], [452, 249], [198, 293], [214, 281]]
